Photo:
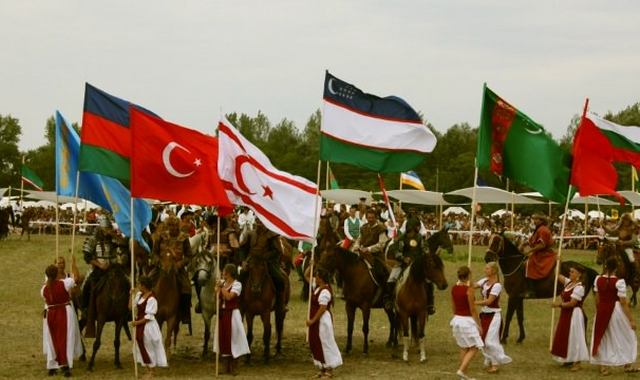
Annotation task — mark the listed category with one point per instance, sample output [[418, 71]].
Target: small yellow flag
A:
[[614, 213]]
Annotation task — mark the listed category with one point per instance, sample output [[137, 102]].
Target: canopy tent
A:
[[573, 213], [81, 205], [595, 214], [485, 194], [631, 196], [500, 212], [455, 210], [48, 196], [592, 200], [419, 197], [346, 196], [42, 203]]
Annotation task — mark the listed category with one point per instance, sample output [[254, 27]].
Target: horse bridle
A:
[[501, 248]]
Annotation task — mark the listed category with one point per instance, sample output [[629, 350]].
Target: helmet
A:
[[105, 222]]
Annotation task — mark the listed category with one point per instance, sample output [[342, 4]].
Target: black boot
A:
[[389, 296], [185, 309], [431, 309]]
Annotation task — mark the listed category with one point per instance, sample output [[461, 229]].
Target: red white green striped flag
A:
[[597, 145], [31, 178]]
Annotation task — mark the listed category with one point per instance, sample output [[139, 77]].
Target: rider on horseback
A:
[[99, 250], [542, 257], [627, 232], [176, 243], [408, 246], [263, 241], [370, 246]]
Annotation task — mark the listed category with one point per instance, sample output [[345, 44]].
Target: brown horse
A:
[[411, 293], [512, 263], [167, 292], [259, 297], [609, 248], [25, 221], [112, 305]]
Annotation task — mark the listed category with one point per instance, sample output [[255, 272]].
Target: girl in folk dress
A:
[[491, 319], [614, 341], [232, 337], [324, 348], [60, 338], [466, 322], [570, 343], [149, 348]]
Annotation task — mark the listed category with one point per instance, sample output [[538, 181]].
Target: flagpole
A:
[[586, 218], [57, 231], [75, 212], [473, 212], [215, 319], [326, 184], [21, 183], [399, 201], [315, 232], [133, 346], [558, 257]]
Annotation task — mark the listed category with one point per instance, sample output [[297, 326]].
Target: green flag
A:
[[510, 144], [31, 178], [333, 182]]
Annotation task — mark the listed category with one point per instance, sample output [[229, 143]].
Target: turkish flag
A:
[[173, 163], [285, 203]]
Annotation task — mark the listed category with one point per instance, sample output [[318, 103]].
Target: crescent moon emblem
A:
[[240, 160], [329, 84], [166, 160], [535, 131]]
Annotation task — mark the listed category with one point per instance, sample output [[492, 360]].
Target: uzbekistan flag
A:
[[384, 135], [411, 178], [597, 145]]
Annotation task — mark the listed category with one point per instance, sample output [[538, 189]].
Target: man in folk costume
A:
[[98, 250], [408, 247], [174, 242], [627, 232], [542, 257], [370, 246], [263, 241], [333, 217], [351, 227]]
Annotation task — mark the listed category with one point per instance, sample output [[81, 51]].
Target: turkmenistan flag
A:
[[597, 145], [31, 178], [333, 182], [106, 134], [510, 144], [384, 135]]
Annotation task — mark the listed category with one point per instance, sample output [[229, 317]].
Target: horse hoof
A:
[[405, 356], [118, 366], [423, 358]]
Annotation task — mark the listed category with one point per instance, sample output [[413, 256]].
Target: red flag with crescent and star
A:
[[173, 163], [285, 203]]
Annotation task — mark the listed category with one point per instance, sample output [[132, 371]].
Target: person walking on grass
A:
[[466, 322]]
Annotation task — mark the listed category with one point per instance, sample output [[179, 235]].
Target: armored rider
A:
[[408, 247], [174, 242]]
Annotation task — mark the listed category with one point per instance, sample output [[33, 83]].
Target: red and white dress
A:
[[570, 342], [230, 332], [465, 329], [613, 343], [149, 348], [322, 341], [491, 321], [60, 332]]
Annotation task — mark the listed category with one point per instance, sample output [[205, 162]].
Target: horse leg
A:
[[116, 342], [266, 335], [96, 343], [351, 316], [520, 315], [249, 318], [406, 339], [207, 334], [366, 312], [421, 325], [393, 329], [280, 315], [511, 308]]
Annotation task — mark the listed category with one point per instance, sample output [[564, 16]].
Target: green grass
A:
[[21, 332]]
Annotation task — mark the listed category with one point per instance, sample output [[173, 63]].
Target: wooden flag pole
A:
[[473, 214], [316, 224]]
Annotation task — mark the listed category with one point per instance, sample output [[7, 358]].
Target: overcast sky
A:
[[189, 60]]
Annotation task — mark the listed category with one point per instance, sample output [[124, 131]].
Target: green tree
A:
[[10, 159]]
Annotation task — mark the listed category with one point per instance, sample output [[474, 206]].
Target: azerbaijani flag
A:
[[597, 145], [106, 134], [510, 144], [411, 178], [384, 135]]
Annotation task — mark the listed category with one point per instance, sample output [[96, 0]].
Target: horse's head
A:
[[606, 249], [204, 267], [326, 234], [435, 270], [440, 239], [495, 248]]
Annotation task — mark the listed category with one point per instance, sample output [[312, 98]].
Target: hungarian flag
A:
[[109, 193], [285, 203], [31, 178], [106, 134], [510, 144], [384, 135], [597, 145], [173, 163], [411, 178]]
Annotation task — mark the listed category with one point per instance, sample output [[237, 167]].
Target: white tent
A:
[[631, 196], [455, 210], [573, 213], [346, 196], [485, 194], [597, 214], [500, 212], [43, 203], [592, 200], [419, 197]]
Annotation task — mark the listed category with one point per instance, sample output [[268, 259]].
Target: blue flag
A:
[[106, 192]]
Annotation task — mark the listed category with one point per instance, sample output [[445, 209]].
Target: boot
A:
[[431, 308], [530, 291], [226, 365], [389, 296], [233, 366], [185, 309]]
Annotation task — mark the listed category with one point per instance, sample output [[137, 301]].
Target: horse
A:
[[167, 292], [5, 219], [205, 274], [411, 292], [259, 297], [512, 264], [112, 305], [25, 220], [609, 248]]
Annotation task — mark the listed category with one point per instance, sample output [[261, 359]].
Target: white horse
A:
[[206, 272]]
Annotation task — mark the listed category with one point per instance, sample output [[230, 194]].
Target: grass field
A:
[[21, 332]]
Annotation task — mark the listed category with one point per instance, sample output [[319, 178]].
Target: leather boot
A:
[[233, 366], [389, 296], [431, 308], [185, 309], [226, 365]]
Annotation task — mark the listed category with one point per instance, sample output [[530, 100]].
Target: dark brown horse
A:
[[112, 305], [167, 292], [25, 221], [609, 248], [512, 264], [259, 297], [411, 292]]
